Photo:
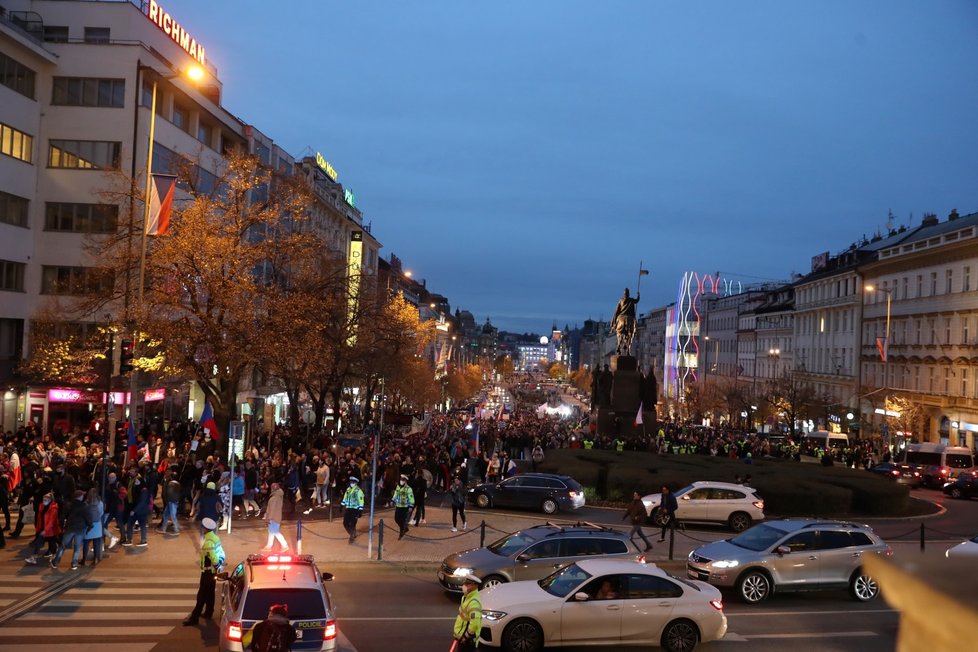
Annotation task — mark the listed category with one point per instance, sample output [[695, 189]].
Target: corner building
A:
[[75, 90]]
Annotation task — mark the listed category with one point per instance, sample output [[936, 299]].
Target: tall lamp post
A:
[[885, 354], [373, 473], [195, 74]]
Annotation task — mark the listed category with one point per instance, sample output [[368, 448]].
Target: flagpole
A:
[[638, 286]]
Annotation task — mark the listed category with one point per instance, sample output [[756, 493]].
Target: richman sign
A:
[[172, 28]]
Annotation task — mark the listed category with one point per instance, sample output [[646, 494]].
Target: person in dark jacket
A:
[[139, 498], [420, 488], [208, 506], [77, 522], [635, 514], [113, 504], [668, 507], [457, 490], [171, 498]]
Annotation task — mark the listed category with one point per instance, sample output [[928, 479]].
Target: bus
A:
[[826, 440], [939, 464]]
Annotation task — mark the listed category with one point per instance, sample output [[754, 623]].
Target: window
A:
[[933, 283], [966, 281], [16, 76], [74, 280], [920, 285], [651, 587], [81, 218], [12, 276], [906, 288], [801, 541], [582, 547], [97, 34], [16, 143], [964, 381], [543, 550], [56, 33], [948, 279], [965, 329], [205, 133], [860, 539], [13, 209], [612, 546], [83, 154], [88, 91], [832, 539], [181, 117]]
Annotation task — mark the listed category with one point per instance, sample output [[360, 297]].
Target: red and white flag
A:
[[881, 345], [638, 417], [14, 470], [161, 191]]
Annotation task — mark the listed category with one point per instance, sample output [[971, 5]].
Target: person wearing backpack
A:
[[274, 634]]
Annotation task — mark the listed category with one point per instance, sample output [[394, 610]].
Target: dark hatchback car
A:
[[900, 473], [543, 491], [966, 486]]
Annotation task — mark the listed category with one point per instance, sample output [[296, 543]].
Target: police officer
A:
[[468, 623], [403, 500], [353, 507], [619, 445], [211, 559]]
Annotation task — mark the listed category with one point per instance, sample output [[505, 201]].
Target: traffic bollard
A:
[[380, 541], [482, 535], [672, 540], [921, 537], [298, 536]]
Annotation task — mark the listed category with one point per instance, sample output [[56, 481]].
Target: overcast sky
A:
[[523, 156]]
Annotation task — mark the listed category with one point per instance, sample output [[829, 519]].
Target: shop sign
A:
[[349, 197], [67, 395], [175, 31], [325, 166], [154, 395]]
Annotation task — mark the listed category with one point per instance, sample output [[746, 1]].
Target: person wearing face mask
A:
[[113, 508], [353, 507], [468, 623], [48, 527], [403, 500]]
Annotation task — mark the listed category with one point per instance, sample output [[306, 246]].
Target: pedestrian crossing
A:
[[106, 611]]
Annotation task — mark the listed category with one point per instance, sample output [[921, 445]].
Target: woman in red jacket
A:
[[47, 527]]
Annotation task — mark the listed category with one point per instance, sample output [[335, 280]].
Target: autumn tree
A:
[[65, 352], [788, 398], [557, 371], [581, 379], [504, 365]]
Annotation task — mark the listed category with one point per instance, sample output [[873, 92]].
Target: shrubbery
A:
[[788, 488]]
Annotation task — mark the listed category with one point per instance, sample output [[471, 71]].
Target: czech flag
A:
[[131, 439], [161, 191], [638, 417], [881, 346], [207, 421]]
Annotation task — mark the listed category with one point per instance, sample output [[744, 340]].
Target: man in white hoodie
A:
[[273, 514]]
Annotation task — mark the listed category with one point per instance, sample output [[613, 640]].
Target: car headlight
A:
[[493, 615], [462, 572], [725, 564]]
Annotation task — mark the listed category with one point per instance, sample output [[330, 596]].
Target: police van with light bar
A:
[[263, 580]]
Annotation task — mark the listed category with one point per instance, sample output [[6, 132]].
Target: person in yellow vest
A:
[[619, 445], [468, 623], [211, 560], [588, 442]]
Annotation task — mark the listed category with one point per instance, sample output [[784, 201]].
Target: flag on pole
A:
[[207, 421], [881, 346], [643, 272], [160, 203], [14, 470], [131, 438], [638, 417]]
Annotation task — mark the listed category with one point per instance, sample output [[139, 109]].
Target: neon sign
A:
[[175, 31], [349, 197], [325, 166]]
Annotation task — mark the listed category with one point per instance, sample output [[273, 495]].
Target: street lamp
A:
[[884, 350], [776, 354]]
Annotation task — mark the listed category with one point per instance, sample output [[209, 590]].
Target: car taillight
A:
[[641, 559], [759, 504], [234, 631], [330, 632], [943, 471], [894, 472], [888, 552], [717, 604]]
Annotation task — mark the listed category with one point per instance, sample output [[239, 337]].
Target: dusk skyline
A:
[[522, 158]]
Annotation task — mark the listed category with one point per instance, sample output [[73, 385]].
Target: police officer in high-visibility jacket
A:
[[211, 560], [403, 500], [353, 504], [468, 624]]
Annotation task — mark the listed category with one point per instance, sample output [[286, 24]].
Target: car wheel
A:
[[680, 636], [659, 518], [863, 587], [492, 580], [753, 587], [955, 493], [522, 635], [739, 521], [482, 500], [549, 506]]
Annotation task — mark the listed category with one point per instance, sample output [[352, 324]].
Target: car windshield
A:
[[562, 582], [760, 537], [303, 603], [510, 545], [958, 461], [923, 459]]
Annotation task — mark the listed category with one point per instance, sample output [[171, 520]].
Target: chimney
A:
[[929, 220], [953, 215]]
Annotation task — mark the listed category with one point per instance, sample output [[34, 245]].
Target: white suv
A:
[[734, 505]]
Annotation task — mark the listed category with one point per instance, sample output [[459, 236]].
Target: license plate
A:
[[298, 634]]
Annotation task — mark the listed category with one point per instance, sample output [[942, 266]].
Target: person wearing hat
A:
[[468, 623], [273, 634], [353, 507], [208, 506], [403, 500], [273, 514], [211, 560]]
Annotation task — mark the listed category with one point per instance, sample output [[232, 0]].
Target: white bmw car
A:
[[967, 548], [735, 505], [603, 602]]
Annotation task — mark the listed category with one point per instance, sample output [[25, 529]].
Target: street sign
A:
[[110, 409], [237, 430]]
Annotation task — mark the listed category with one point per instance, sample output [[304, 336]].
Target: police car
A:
[[263, 580]]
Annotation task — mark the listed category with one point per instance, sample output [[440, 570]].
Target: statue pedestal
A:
[[626, 397]]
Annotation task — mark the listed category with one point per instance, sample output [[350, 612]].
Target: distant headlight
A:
[[725, 564], [493, 615], [462, 572]]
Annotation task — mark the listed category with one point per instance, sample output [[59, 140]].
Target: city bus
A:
[[938, 463]]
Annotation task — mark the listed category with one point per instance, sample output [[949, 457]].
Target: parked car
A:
[[543, 491], [899, 473], [966, 486], [534, 553], [735, 505], [967, 548], [791, 555], [602, 602], [261, 581]]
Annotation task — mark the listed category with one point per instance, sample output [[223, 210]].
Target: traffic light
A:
[[125, 356]]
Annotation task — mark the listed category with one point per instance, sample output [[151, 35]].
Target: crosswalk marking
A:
[[96, 630], [18, 589], [97, 601], [85, 647], [57, 617], [92, 591]]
